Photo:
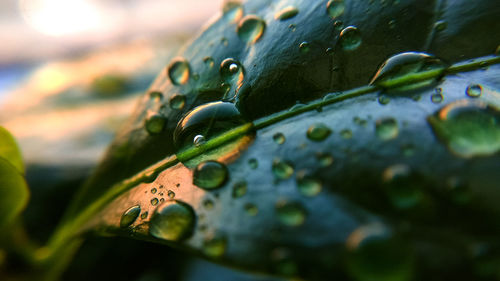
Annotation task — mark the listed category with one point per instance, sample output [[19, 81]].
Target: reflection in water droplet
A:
[[308, 186], [304, 47], [173, 220], [251, 28], [474, 90], [179, 71], [251, 209], [239, 189], [279, 138], [282, 169], [318, 132], [155, 122], [286, 13], [177, 101], [129, 216], [325, 159], [468, 128], [335, 8], [386, 128], [231, 71], [350, 38], [215, 247], [405, 64], [154, 201], [210, 175], [207, 120], [290, 213]]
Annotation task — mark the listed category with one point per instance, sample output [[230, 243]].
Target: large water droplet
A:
[[251, 28], [210, 175], [173, 220], [474, 90], [308, 186], [335, 8], [468, 128], [386, 128], [282, 169], [286, 13], [208, 120], [177, 101], [290, 213], [179, 71], [350, 38], [231, 71], [129, 216], [405, 64], [318, 132], [155, 122]]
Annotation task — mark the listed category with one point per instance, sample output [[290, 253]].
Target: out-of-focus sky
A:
[[33, 30]]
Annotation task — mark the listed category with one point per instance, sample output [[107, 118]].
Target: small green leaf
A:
[[14, 193], [10, 151]]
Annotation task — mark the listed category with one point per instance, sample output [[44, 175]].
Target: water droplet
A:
[[208, 204], [392, 24], [383, 99], [474, 90], [386, 128], [239, 189], [144, 215], [153, 190], [154, 201], [253, 163], [279, 138], [155, 95], [325, 159], [232, 10], [198, 140], [171, 194], [209, 62], [292, 27], [405, 64], [179, 71], [318, 132], [308, 186], [173, 220], [210, 175], [207, 120], [177, 101], [437, 97], [440, 25], [335, 8], [251, 209], [215, 247], [304, 47], [290, 213], [408, 150], [286, 13], [346, 134], [468, 128], [162, 200], [155, 122], [338, 25], [129, 216], [251, 28], [282, 169], [401, 186], [350, 38], [231, 71]]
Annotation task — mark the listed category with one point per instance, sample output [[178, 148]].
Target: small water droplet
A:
[[155, 122], [177, 101], [224, 41], [253, 163], [215, 247], [286, 13], [338, 25], [383, 99], [474, 90], [173, 220], [129, 216], [290, 213], [437, 97], [408, 150], [179, 71], [154, 201], [251, 28], [468, 128], [392, 24], [144, 215], [198, 140], [401, 186], [232, 10], [325, 159], [304, 47], [335, 8], [329, 51], [386, 128], [251, 209], [308, 186], [405, 64], [318, 132], [282, 169], [153, 190], [239, 189], [155, 95], [171, 194], [209, 62], [279, 138], [350, 38], [346, 134], [292, 27], [208, 204], [440, 25], [210, 175], [231, 71]]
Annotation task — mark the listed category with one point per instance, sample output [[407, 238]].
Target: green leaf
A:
[[14, 193], [10, 151]]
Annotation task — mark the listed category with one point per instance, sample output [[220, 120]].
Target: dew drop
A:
[[386, 129], [468, 128], [154, 201], [171, 194], [177, 101], [153, 190], [290, 213], [286, 13], [309, 186], [292, 27], [155, 95], [279, 138], [383, 99], [251, 28], [325, 159], [173, 221], [210, 175], [346, 134], [437, 97], [231, 71], [215, 247], [154, 123], [335, 8], [251, 209], [198, 140], [208, 204], [209, 62], [440, 25], [253, 163], [282, 169], [350, 38], [304, 47], [474, 90], [338, 25], [232, 10], [129, 216], [144, 215], [239, 189], [179, 71], [318, 132]]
